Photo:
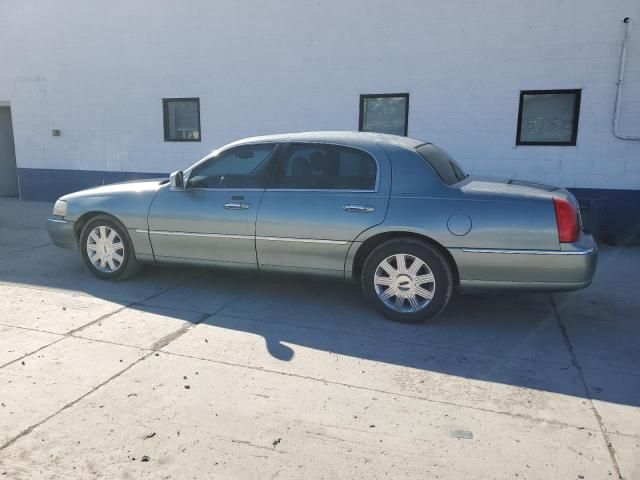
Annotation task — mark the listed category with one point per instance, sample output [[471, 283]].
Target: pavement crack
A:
[[578, 367]]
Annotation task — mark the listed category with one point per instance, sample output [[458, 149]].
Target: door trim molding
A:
[[244, 237], [303, 240], [190, 234]]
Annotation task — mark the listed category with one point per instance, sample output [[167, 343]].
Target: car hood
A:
[[505, 187], [118, 189]]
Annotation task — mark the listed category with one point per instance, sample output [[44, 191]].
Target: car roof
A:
[[358, 139]]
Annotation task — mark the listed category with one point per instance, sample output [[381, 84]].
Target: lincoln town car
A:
[[400, 216]]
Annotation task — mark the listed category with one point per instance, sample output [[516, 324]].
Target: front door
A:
[[212, 220], [320, 198]]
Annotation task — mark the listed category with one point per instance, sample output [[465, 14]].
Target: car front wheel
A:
[[407, 280], [106, 249]]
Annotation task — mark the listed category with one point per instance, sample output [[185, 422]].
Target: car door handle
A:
[[358, 208], [236, 205]]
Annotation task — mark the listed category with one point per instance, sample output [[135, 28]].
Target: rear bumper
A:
[[570, 268], [61, 232]]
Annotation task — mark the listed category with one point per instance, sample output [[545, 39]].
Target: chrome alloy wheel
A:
[[404, 283], [105, 249]]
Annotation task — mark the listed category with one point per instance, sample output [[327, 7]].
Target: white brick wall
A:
[[98, 71]]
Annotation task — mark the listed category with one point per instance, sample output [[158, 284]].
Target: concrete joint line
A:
[[399, 341], [26, 249], [62, 337], [576, 364], [376, 390], [71, 333], [124, 307], [167, 339], [28, 430]]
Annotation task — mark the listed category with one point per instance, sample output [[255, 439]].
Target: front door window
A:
[[240, 167]]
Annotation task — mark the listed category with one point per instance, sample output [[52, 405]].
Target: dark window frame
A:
[[165, 119], [576, 115], [365, 96]]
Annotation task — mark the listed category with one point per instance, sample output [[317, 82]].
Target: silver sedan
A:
[[396, 214]]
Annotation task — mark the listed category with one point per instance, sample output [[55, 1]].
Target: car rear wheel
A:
[[106, 249], [407, 280]]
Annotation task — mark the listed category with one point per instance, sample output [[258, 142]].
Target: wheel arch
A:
[[372, 242], [86, 217]]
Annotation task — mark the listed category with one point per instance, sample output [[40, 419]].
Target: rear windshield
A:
[[445, 166]]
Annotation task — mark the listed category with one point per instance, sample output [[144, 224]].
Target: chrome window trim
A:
[[244, 237], [226, 189], [587, 251], [220, 151], [330, 190]]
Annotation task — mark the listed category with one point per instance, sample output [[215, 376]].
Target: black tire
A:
[[435, 263], [128, 267]]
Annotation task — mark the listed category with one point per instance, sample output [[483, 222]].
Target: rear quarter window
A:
[[442, 163]]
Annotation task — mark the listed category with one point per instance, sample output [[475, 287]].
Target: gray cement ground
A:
[[184, 373]]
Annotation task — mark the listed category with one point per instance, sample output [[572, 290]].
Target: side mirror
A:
[[176, 180]]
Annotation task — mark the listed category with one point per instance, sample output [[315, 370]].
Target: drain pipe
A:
[[616, 108]]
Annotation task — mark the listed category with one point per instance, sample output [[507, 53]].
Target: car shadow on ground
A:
[[536, 341]]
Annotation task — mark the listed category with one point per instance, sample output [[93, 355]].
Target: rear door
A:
[[320, 198]]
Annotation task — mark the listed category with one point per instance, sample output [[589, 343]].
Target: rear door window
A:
[[317, 166]]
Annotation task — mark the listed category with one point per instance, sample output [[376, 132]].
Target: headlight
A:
[[60, 208]]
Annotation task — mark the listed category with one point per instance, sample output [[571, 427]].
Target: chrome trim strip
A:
[[210, 235], [302, 240], [55, 220], [245, 237], [588, 251]]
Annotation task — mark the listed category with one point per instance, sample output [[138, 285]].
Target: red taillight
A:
[[567, 219]]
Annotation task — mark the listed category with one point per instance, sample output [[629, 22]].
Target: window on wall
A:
[[181, 119], [384, 113], [548, 117]]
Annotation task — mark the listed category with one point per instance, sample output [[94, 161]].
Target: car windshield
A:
[[445, 166]]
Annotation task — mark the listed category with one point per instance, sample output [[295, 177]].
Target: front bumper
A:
[[61, 232], [570, 268]]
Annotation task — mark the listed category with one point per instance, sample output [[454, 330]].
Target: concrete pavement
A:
[[186, 373]]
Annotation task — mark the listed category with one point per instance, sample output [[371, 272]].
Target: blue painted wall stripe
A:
[[620, 213], [44, 184]]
